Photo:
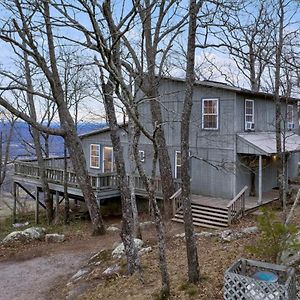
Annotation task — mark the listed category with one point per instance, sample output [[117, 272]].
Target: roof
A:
[[225, 86], [98, 131], [264, 143]]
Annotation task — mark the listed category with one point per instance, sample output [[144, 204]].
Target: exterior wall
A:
[[264, 114], [212, 150]]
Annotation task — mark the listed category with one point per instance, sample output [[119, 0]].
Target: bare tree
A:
[[19, 31], [191, 247]]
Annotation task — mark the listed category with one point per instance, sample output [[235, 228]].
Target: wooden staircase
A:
[[208, 216], [205, 216]]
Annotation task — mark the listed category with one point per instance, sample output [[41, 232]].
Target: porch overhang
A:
[[264, 143]]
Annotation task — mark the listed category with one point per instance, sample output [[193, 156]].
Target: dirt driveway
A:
[[31, 279], [40, 271]]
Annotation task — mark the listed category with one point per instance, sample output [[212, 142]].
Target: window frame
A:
[[216, 114], [175, 164], [99, 156], [247, 115], [287, 112], [142, 155], [112, 157]]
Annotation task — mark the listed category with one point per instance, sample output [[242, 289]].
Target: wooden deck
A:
[[103, 184], [250, 202]]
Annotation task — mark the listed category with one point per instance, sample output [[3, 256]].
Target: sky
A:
[[91, 109]]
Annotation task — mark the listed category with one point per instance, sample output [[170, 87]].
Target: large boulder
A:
[[119, 251], [36, 233], [27, 235], [291, 256]]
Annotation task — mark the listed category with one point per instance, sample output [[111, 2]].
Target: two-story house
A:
[[232, 136]]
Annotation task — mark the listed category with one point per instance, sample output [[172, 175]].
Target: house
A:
[[232, 149], [232, 136]]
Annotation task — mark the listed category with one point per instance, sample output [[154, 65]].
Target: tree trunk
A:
[[72, 139], [150, 88], [136, 226], [127, 235], [278, 54], [66, 194], [159, 225], [191, 247]]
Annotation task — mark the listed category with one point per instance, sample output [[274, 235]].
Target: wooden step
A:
[[210, 213], [201, 224], [206, 216], [202, 220], [209, 207], [221, 219]]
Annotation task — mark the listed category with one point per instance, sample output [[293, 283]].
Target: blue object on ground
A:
[[265, 276]]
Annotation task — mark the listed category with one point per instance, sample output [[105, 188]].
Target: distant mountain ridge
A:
[[21, 144]]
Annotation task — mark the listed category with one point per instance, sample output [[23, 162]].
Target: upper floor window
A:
[[108, 159], [95, 156], [210, 113], [249, 114], [142, 155], [290, 116], [177, 164]]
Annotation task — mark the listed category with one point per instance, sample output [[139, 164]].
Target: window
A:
[[177, 164], [142, 155], [95, 156], [210, 111], [249, 114], [108, 160], [290, 116]]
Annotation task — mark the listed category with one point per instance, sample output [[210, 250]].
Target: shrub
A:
[[275, 237]]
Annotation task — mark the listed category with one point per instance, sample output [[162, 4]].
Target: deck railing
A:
[[30, 169], [56, 175], [176, 201], [236, 207]]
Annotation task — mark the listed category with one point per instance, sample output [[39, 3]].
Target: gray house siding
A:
[[215, 167]]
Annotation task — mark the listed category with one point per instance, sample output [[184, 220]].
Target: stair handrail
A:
[[176, 201], [236, 207]]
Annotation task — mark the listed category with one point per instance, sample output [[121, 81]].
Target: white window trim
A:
[[210, 99], [291, 105], [175, 165], [142, 155], [112, 157], [99, 149], [252, 115]]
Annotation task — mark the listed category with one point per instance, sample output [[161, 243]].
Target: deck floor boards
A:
[[250, 202]]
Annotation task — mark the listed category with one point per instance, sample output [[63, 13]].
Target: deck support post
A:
[[259, 179], [37, 196], [57, 204], [14, 219]]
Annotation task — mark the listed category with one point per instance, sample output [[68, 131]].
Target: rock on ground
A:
[[27, 235], [119, 251], [79, 274], [291, 256], [146, 224], [54, 238], [227, 235], [145, 250], [111, 270], [113, 229]]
